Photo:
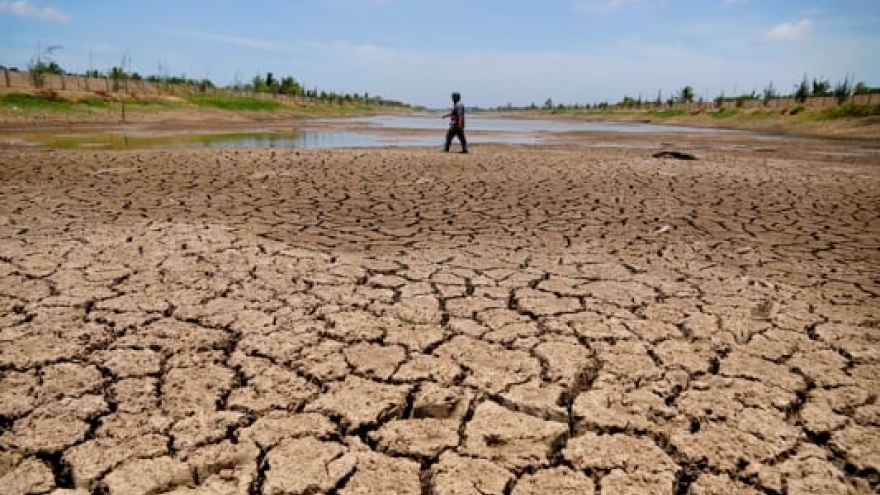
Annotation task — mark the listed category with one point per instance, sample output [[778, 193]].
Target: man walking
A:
[[456, 124]]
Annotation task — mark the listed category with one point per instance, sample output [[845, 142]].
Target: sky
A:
[[494, 52]]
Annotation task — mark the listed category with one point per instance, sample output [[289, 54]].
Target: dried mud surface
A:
[[570, 319]]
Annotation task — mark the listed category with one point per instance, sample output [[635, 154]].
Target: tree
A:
[[802, 91], [821, 87], [258, 84], [42, 64], [843, 90], [628, 102], [205, 85], [686, 95], [743, 98], [769, 93], [273, 85], [117, 74], [289, 86]]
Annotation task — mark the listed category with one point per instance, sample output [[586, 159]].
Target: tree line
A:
[[43, 64], [842, 91], [289, 86]]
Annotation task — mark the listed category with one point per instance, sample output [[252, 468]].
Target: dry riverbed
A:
[[574, 318]]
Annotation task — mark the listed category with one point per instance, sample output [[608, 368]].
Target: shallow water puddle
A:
[[258, 139], [378, 131], [141, 140]]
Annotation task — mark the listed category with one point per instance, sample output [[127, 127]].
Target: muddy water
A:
[[492, 124], [376, 131]]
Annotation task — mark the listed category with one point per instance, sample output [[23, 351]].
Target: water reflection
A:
[[495, 124], [376, 131], [336, 139], [303, 139], [308, 138]]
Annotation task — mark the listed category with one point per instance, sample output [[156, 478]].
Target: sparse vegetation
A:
[[811, 99], [668, 112], [265, 93], [769, 96], [42, 64], [48, 101], [843, 91], [235, 103], [724, 113], [850, 110]]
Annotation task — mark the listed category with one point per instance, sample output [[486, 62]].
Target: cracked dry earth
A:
[[521, 320]]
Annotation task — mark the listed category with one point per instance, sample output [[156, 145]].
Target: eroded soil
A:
[[520, 320]]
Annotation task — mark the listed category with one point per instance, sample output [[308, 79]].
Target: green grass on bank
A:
[[306, 108], [725, 113], [86, 103], [850, 110], [668, 113], [727, 116], [25, 101], [798, 113], [235, 103], [67, 104]]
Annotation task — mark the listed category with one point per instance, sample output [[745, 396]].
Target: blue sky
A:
[[493, 51]]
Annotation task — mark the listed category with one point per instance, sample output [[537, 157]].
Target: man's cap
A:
[[456, 95]]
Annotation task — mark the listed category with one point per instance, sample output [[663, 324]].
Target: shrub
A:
[[235, 103], [724, 113], [851, 110], [669, 112], [50, 100], [24, 100], [44, 101], [91, 101]]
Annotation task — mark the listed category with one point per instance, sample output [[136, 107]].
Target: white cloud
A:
[[24, 8], [788, 31]]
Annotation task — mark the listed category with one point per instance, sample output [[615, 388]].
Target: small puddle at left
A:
[[118, 141]]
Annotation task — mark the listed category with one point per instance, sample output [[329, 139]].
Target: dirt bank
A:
[[177, 116]]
